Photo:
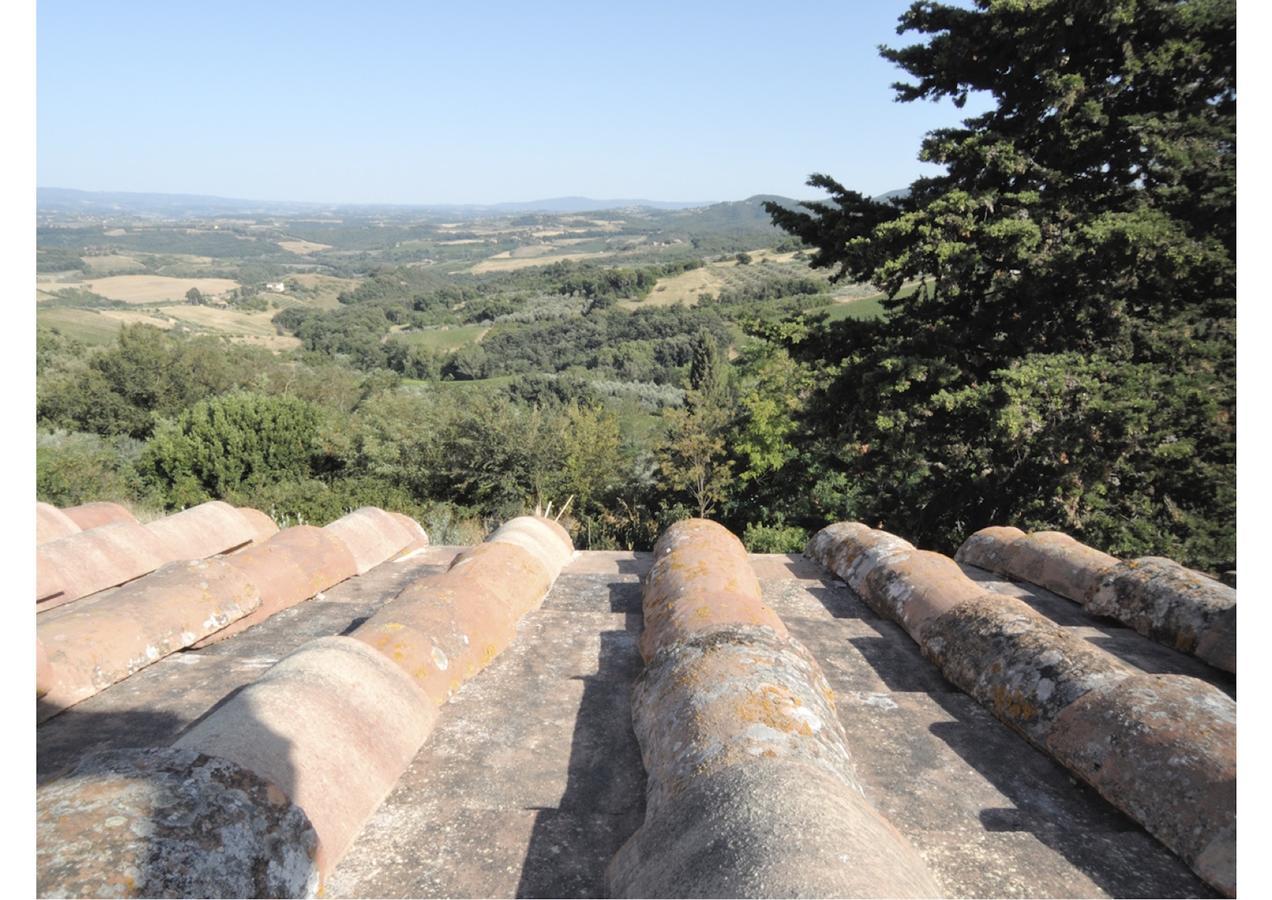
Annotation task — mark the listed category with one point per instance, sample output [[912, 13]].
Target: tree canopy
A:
[[1067, 358]]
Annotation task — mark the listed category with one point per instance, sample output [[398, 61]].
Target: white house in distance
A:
[[277, 287]]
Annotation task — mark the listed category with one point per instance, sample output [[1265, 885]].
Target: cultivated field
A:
[[142, 288], [685, 287], [444, 338], [507, 262], [105, 265], [303, 247], [86, 325], [319, 290]]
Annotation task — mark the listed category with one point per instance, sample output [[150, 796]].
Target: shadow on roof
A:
[[604, 799], [1043, 799]]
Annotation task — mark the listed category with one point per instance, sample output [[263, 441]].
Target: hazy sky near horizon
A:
[[401, 102]]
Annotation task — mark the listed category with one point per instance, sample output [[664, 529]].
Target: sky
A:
[[464, 102]]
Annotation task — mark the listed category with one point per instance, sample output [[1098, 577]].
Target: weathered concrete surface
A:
[[1172, 605], [1030, 672], [170, 823], [91, 646], [532, 778]]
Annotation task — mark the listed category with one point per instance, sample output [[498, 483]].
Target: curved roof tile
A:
[[372, 535], [102, 512], [52, 523]]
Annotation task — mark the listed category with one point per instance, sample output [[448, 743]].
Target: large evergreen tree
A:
[[1067, 359]]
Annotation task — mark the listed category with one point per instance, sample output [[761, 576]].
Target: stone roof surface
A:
[[532, 777]]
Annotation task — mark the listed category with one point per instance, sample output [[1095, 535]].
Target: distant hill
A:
[[587, 204], [69, 200], [737, 215]]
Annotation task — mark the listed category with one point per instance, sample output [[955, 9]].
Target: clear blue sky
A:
[[415, 102]]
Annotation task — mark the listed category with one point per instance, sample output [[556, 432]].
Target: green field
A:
[[444, 338], [471, 386], [81, 324], [870, 307]]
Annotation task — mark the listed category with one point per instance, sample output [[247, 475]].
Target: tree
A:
[[693, 462], [195, 297], [148, 373], [1077, 255], [222, 445], [707, 372]]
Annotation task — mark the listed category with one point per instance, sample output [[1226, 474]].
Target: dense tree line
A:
[[1068, 361]]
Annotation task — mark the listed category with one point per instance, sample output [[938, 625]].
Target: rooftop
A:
[[532, 777]]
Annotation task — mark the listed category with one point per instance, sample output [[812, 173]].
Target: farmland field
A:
[[683, 288], [506, 262], [105, 265], [450, 338], [144, 288], [85, 325], [303, 247]]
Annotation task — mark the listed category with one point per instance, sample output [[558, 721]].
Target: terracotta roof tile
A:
[[1157, 597], [373, 535], [52, 523], [744, 749], [90, 561], [263, 527], [288, 568], [92, 645], [529, 780], [1068, 696], [333, 725], [104, 556], [203, 530], [94, 515]]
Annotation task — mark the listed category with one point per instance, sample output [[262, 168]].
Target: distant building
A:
[[277, 287]]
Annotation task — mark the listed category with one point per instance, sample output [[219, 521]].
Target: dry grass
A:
[[327, 289], [219, 320], [104, 265], [85, 325], [507, 262], [139, 316], [683, 288], [152, 288], [238, 325], [303, 247]]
